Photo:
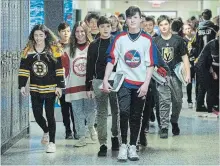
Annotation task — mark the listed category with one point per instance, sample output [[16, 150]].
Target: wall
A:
[[14, 107], [185, 8]]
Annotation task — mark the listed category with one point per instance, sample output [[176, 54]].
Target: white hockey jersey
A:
[[132, 56]]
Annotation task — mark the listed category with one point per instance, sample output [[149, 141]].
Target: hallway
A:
[[198, 144]]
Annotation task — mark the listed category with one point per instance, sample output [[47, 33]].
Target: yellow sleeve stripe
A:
[[24, 75], [59, 75], [24, 70], [59, 70]]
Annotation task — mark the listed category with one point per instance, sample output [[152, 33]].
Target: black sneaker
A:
[[143, 140], [175, 129], [76, 136], [201, 109], [164, 133], [69, 135], [102, 151], [115, 144]]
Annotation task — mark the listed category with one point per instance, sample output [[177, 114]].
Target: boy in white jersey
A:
[[133, 53]]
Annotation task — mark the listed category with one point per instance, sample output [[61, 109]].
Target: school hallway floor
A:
[[197, 144]]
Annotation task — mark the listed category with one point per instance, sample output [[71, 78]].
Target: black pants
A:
[[66, 109], [37, 106], [212, 98], [189, 86], [200, 94], [131, 108], [148, 110], [201, 91]]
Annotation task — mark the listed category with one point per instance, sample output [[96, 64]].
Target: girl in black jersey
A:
[[41, 62]]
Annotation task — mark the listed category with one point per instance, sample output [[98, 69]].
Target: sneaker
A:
[[115, 144], [132, 153], [45, 138], [212, 115], [93, 134], [123, 153], [81, 142], [164, 133], [190, 105], [69, 135], [102, 151], [51, 148], [143, 140], [215, 110], [175, 129], [76, 136], [201, 109]]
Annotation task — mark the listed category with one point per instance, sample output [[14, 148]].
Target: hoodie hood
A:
[[205, 24]]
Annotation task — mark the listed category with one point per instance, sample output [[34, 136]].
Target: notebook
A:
[[115, 80]]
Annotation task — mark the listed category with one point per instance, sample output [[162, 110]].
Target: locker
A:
[[3, 98], [14, 95]]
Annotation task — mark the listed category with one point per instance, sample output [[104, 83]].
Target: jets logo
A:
[[168, 54], [79, 66], [40, 68], [132, 58]]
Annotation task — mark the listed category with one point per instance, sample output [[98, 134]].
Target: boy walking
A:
[[132, 51]]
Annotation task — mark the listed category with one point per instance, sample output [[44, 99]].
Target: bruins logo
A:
[[40, 68], [168, 54]]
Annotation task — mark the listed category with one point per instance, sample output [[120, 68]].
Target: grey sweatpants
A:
[[83, 109], [166, 97], [102, 112]]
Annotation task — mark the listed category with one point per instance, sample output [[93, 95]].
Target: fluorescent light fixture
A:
[[157, 1]]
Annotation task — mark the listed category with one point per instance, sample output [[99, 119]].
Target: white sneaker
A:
[[190, 105], [81, 142], [212, 115], [51, 147], [132, 153], [123, 153], [93, 133], [45, 138]]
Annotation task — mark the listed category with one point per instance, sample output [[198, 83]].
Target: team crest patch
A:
[[40, 68], [132, 58], [168, 54], [79, 66]]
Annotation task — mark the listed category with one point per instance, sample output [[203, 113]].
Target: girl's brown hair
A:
[[73, 39]]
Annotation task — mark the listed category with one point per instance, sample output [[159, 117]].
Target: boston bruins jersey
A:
[[45, 72]]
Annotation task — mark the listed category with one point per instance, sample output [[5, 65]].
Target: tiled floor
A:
[[198, 144]]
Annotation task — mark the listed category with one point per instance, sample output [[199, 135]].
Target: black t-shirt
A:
[[171, 50]]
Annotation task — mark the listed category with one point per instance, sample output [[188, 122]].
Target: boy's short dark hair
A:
[[143, 16], [149, 18], [63, 26], [162, 18], [122, 15], [103, 20], [176, 25], [132, 10], [91, 16], [207, 14]]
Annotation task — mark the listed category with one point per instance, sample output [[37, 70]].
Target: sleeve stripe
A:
[[151, 48], [113, 47], [23, 75], [22, 70]]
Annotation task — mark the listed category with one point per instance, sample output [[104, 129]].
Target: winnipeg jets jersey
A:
[[132, 56]]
